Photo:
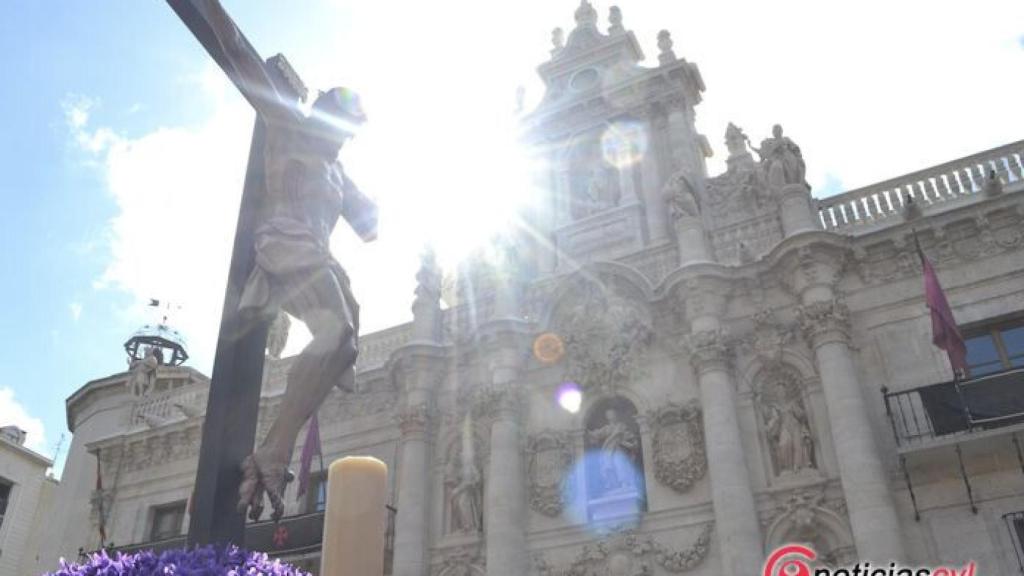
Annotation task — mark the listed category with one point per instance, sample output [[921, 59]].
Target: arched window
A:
[[614, 462]]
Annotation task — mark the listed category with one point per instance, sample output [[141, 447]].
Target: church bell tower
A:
[[611, 134]]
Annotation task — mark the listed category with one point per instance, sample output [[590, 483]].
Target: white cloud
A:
[[12, 413], [76, 310], [177, 191]]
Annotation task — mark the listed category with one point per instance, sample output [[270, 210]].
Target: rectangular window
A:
[[1015, 524], [995, 348], [167, 521], [5, 496], [316, 495]]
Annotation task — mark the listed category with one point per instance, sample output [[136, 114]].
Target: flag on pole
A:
[[99, 502], [310, 448], [945, 333]]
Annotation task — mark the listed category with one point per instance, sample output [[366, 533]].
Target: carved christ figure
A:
[[306, 192]]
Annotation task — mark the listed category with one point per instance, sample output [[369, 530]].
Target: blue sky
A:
[[118, 133]]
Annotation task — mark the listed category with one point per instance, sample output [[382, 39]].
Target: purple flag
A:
[[310, 448], [945, 334]]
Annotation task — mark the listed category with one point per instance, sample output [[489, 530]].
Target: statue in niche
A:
[[681, 197], [143, 372], [619, 445], [781, 159], [465, 500], [594, 183], [787, 430]]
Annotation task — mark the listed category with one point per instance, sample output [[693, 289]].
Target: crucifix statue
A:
[[295, 190]]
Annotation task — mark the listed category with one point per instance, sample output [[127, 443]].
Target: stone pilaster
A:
[[419, 371], [796, 212], [505, 502], [876, 529], [736, 522]]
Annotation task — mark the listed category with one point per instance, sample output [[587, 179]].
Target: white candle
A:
[[355, 520]]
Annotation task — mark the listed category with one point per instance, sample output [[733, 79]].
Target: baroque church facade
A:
[[672, 372]]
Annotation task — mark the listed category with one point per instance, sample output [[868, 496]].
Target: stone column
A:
[[796, 212], [876, 528], [505, 494], [420, 369], [736, 522]]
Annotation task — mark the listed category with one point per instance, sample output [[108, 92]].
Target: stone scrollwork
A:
[[605, 336], [550, 459], [414, 419], [680, 459], [821, 319], [460, 562], [708, 347], [630, 554]]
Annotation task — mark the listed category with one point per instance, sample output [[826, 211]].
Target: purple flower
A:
[[205, 561]]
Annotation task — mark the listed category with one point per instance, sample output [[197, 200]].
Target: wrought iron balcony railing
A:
[[952, 408]]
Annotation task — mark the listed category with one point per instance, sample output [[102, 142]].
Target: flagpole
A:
[[956, 371]]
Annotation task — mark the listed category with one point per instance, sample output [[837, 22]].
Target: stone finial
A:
[[426, 307], [557, 41], [586, 15], [665, 43], [615, 20], [993, 185], [911, 211]]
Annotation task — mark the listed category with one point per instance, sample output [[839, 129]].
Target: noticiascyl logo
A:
[[791, 560]]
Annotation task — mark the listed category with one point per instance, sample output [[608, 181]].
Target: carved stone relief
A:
[[550, 459], [605, 336], [679, 453], [463, 561], [629, 554], [806, 516]]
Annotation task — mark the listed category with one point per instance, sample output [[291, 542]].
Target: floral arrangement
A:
[[205, 561]]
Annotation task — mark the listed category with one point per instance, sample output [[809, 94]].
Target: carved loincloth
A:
[[286, 253]]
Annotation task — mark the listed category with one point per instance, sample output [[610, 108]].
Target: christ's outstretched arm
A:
[[243, 65]]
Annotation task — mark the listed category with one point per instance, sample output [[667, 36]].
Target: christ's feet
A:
[[261, 474]]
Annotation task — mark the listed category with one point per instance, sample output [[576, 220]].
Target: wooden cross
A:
[[232, 410]]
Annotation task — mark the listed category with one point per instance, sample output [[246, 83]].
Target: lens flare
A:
[[548, 348], [624, 144], [570, 397], [591, 502]]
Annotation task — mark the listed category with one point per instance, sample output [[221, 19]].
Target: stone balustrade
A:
[[168, 405], [375, 348], [948, 182]]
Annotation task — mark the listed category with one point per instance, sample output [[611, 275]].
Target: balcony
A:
[[947, 413], [291, 538]]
